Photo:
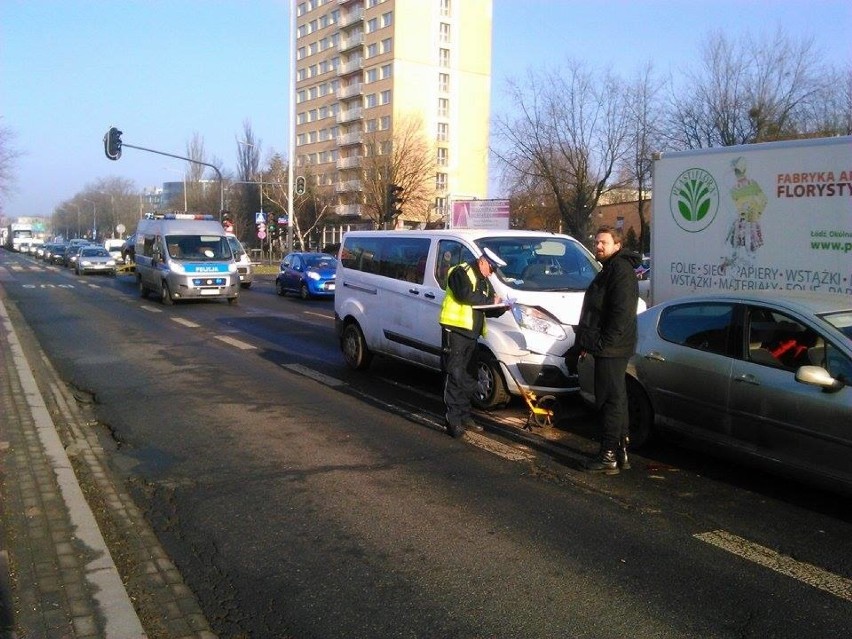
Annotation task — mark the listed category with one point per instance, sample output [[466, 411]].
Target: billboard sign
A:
[[479, 214]]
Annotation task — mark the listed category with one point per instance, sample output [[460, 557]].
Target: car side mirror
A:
[[818, 376]]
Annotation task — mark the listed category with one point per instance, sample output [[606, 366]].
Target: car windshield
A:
[[841, 320], [320, 261], [545, 263], [198, 247], [94, 252]]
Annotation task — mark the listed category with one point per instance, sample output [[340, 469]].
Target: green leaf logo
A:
[[694, 200]]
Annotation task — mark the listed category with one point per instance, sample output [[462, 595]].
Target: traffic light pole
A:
[[180, 157]]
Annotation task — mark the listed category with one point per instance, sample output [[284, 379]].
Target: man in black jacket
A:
[[607, 330]]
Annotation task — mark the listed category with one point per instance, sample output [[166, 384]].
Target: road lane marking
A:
[[333, 382], [322, 315], [151, 309], [763, 556], [185, 322], [235, 342]]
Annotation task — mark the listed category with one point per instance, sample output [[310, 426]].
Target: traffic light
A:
[[300, 185], [112, 143], [270, 224], [393, 202]]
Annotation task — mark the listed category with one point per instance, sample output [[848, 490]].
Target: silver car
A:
[[765, 377], [94, 259]]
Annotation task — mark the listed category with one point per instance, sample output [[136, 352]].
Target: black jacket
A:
[[608, 320]]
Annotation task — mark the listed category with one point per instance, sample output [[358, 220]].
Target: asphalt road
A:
[[300, 499]]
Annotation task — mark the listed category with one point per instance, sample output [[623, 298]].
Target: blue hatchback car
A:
[[308, 274]]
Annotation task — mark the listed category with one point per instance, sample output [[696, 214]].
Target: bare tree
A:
[[8, 157], [645, 137], [402, 157], [752, 90], [569, 137], [248, 171]]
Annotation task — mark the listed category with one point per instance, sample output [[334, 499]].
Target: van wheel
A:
[[640, 414], [233, 301], [143, 292], [166, 296], [490, 388], [354, 347]]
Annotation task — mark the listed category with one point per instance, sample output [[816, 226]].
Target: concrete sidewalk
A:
[[58, 579]]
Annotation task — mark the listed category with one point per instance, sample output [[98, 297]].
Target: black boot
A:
[[604, 462], [621, 453]]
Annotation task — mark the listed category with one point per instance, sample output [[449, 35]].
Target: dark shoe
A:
[[621, 453], [604, 462], [469, 424], [455, 431]]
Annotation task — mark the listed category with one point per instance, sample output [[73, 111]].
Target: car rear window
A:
[[706, 327]]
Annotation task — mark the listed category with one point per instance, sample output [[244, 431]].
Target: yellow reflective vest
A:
[[453, 313]]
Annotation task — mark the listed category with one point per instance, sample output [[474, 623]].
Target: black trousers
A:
[[611, 399], [460, 376]]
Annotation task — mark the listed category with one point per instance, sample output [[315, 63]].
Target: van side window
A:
[[361, 254], [400, 258], [404, 258], [450, 253], [148, 243]]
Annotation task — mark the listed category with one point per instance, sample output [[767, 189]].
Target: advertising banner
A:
[[480, 214]]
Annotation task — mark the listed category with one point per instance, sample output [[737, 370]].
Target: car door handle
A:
[[747, 378], [414, 291], [429, 296], [654, 355]]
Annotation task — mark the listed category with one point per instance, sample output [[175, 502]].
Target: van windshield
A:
[[543, 263], [199, 248]]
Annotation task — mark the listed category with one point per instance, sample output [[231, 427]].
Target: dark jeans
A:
[[611, 399], [460, 377]]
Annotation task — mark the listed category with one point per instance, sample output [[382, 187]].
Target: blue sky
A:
[[163, 70]]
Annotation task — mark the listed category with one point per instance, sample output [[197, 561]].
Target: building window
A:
[[445, 8], [443, 132], [443, 108], [444, 35], [370, 100], [372, 25], [444, 58], [384, 122], [387, 71], [372, 50], [371, 75], [387, 45], [387, 19], [385, 97], [444, 82], [441, 182], [443, 157]]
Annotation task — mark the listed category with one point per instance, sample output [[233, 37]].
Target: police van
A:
[[390, 287], [183, 256]]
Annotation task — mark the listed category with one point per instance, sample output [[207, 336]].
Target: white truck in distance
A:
[[775, 216]]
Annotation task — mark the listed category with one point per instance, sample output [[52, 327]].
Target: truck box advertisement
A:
[[773, 216]]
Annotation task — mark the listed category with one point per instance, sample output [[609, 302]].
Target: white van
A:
[[390, 286], [185, 256], [241, 257], [113, 247]]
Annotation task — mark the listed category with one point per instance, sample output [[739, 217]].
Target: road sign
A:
[[261, 235], [259, 217]]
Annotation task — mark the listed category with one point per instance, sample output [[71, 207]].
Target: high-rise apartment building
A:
[[366, 69]]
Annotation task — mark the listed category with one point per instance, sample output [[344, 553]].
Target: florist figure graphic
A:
[[750, 201]]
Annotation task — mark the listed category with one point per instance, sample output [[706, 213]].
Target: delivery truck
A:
[[770, 216]]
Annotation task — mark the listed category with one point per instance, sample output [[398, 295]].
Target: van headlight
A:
[[535, 319], [232, 267], [176, 267], [313, 275]]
